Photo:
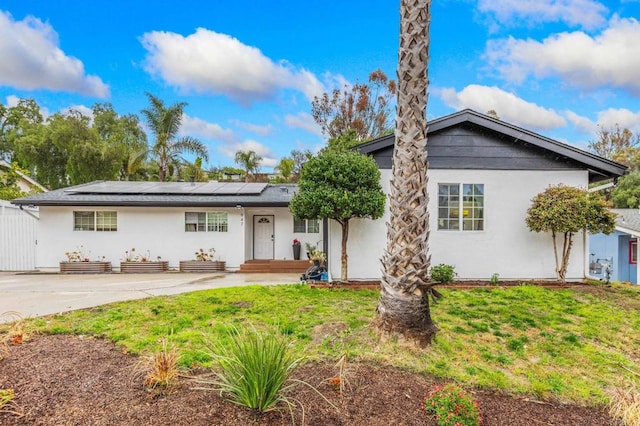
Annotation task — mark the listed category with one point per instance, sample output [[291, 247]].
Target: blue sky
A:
[[249, 69]]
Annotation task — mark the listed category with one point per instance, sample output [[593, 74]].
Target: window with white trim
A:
[[461, 206], [101, 221], [206, 222], [308, 226]]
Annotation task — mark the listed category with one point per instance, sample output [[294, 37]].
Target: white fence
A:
[[18, 238]]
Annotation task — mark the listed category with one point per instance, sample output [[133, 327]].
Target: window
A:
[[633, 252], [206, 222], [95, 221], [461, 206], [309, 226]]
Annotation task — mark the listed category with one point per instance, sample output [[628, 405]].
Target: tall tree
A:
[[124, 139], [564, 211], [403, 306], [285, 169], [615, 143], [249, 161], [627, 192], [22, 122], [164, 122], [339, 185], [363, 108], [299, 158]]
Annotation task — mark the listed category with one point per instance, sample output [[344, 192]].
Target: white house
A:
[[483, 174], [173, 220]]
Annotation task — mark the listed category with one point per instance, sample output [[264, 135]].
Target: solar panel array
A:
[[174, 188]]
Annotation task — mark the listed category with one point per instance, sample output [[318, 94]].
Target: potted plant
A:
[[317, 257], [133, 262], [204, 262], [78, 262], [296, 249], [310, 248]]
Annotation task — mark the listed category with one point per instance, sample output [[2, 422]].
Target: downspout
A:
[[29, 213]]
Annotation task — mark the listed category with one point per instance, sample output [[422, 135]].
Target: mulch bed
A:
[[71, 380], [373, 284]]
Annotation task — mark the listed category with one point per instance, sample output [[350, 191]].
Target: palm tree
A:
[[249, 161], [403, 306], [164, 123], [285, 168]]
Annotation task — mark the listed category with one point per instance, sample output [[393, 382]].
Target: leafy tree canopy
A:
[[565, 210], [339, 185], [627, 192]]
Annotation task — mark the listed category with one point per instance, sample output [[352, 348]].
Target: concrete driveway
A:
[[37, 294]]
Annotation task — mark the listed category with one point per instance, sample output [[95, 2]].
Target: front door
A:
[[263, 237]]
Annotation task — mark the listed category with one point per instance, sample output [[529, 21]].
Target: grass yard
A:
[[570, 345]]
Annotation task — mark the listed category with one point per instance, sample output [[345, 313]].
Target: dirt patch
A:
[[67, 380]]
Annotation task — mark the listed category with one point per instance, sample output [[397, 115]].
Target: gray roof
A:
[[599, 168], [166, 194], [628, 219]]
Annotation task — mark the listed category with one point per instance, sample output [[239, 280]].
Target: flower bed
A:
[[93, 267], [202, 265], [144, 267]]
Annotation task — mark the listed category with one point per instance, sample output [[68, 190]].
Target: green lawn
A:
[[564, 344]]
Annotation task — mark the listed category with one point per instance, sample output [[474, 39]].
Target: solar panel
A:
[[174, 188]]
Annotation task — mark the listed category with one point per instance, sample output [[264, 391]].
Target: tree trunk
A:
[[404, 305], [344, 258]]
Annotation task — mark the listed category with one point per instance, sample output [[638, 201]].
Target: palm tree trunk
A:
[[403, 307]]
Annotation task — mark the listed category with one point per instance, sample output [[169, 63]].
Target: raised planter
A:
[[144, 267], [85, 267], [202, 265]]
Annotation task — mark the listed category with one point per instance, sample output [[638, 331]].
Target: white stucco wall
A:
[[505, 246], [283, 233], [161, 231]]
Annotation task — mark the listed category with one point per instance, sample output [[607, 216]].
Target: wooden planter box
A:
[[202, 266], [84, 267], [144, 267]]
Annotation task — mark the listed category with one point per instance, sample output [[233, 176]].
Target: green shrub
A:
[[254, 368], [442, 273], [453, 406]]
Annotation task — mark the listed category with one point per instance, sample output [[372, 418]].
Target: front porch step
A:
[[275, 266]]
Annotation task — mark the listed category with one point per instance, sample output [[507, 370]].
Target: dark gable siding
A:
[[469, 146]]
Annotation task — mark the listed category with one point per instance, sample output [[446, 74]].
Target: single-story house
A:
[[483, 173], [172, 220], [616, 254]]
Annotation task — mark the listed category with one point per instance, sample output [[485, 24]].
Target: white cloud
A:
[[583, 124], [268, 159], [611, 59], [304, 121], [509, 107], [200, 128], [32, 59], [622, 117], [210, 62], [82, 109], [588, 14], [265, 130]]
